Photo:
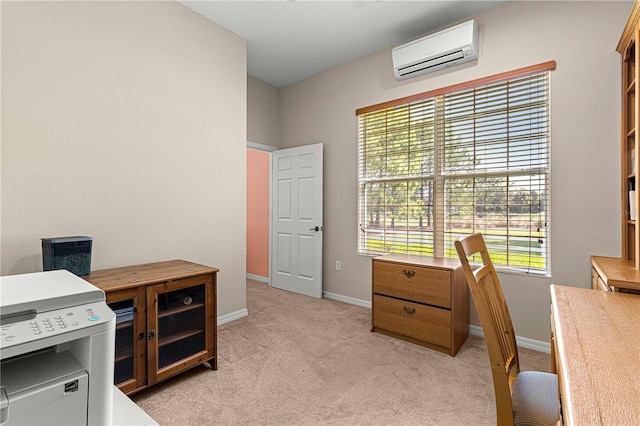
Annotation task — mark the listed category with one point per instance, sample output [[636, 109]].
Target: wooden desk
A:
[[614, 274], [596, 347]]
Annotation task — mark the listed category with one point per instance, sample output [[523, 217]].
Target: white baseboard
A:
[[346, 299], [524, 342], [233, 316], [259, 278]]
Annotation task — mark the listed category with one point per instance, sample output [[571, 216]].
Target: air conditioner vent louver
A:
[[453, 46]]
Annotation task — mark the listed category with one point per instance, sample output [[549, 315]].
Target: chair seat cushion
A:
[[535, 398]]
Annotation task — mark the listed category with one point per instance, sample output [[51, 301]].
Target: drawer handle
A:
[[408, 274], [409, 311]]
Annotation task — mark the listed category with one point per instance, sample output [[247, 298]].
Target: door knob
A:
[[317, 228]]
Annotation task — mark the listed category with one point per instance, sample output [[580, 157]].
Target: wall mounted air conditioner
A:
[[446, 48]]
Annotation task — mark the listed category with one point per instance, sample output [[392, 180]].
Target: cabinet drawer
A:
[[413, 320], [425, 285]]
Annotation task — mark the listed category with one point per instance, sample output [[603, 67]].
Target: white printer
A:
[[56, 351]]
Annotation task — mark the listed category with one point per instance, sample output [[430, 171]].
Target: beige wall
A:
[[262, 112], [581, 37], [125, 121]]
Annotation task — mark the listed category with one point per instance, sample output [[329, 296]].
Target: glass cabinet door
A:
[[124, 340], [129, 368], [180, 324], [178, 330]]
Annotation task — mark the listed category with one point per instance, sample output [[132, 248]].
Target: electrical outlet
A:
[[338, 265]]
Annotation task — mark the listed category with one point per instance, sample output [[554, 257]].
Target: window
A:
[[469, 158]]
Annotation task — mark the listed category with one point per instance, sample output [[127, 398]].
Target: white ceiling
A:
[[288, 41]]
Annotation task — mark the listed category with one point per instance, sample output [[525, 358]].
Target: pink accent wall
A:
[[257, 212]]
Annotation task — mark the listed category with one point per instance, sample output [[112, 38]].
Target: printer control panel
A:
[[53, 323]]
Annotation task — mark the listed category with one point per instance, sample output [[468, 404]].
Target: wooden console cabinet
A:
[[423, 300], [165, 319]]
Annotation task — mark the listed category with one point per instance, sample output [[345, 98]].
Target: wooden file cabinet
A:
[[165, 319], [423, 300]]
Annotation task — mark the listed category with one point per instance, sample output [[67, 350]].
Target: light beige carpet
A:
[[296, 360]]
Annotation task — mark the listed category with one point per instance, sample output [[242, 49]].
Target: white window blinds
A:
[[475, 159]]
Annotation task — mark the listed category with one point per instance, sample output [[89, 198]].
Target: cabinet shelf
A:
[[123, 357], [179, 309], [124, 325], [178, 336]]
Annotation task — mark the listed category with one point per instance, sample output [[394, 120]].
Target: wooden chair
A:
[[522, 398]]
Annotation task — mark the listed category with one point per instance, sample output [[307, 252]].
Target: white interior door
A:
[[297, 219]]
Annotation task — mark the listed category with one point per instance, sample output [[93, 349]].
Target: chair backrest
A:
[[495, 320]]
